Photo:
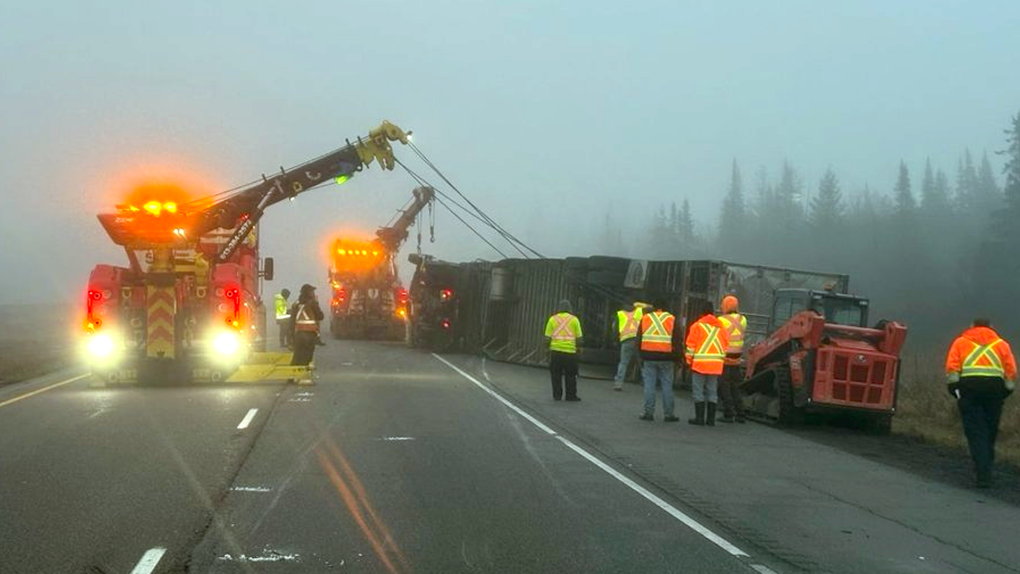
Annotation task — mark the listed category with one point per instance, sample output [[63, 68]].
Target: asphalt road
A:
[[397, 461]]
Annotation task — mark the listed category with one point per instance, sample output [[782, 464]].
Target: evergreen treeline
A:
[[931, 251]]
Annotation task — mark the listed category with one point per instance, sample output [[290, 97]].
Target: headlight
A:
[[226, 343], [100, 346]]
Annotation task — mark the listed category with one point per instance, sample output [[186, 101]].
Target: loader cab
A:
[[837, 308]]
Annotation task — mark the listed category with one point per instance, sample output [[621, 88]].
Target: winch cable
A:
[[440, 194], [481, 216], [492, 223], [473, 230]]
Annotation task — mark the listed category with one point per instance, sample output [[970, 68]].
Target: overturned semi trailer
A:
[[499, 309]]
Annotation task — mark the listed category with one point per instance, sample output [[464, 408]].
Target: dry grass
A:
[[34, 340], [925, 410]]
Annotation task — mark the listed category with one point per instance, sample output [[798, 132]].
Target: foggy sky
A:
[[544, 113]]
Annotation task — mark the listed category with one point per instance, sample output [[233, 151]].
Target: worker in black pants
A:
[[980, 372], [564, 331]]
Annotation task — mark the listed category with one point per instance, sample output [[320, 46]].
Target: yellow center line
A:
[[42, 390]]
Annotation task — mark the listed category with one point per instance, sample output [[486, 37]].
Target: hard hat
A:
[[730, 304], [641, 305]]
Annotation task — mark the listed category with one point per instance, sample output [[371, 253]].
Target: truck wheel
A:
[[612, 264], [789, 414], [606, 278]]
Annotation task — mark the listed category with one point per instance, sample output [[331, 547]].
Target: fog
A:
[[548, 115]]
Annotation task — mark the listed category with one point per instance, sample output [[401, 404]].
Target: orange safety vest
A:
[[627, 322], [303, 321], [980, 352], [706, 346], [735, 326], [657, 332]]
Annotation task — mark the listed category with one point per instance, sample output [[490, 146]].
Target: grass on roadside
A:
[[925, 409]]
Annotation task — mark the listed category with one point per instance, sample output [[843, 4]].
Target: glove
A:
[[954, 390]]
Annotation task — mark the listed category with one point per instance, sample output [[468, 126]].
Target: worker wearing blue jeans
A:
[[660, 372]]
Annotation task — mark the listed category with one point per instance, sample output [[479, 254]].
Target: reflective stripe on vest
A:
[[735, 325], [710, 356], [983, 361], [657, 332], [627, 324], [562, 337], [303, 321]]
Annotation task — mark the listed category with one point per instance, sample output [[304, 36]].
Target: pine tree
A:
[[966, 183], [905, 204], [927, 186], [687, 225], [789, 196], [733, 218], [986, 189], [827, 208]]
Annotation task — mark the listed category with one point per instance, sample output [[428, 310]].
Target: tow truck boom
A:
[[393, 236], [243, 209]]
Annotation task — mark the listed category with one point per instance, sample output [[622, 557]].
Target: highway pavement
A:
[[399, 461]]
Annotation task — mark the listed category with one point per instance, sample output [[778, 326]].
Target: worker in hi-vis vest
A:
[[705, 352], [735, 326], [283, 318], [564, 331], [980, 372], [658, 341], [627, 324]]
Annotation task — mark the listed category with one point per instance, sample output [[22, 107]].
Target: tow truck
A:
[[188, 307], [369, 301]]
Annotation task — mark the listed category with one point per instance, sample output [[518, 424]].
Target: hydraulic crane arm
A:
[[393, 236], [243, 209]]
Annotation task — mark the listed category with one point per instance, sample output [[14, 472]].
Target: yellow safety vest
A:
[[735, 326], [281, 308], [627, 323], [563, 330]]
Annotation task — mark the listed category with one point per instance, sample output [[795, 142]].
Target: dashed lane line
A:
[[149, 561], [247, 419]]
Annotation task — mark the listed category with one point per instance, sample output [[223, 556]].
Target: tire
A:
[[571, 264], [607, 278], [612, 264]]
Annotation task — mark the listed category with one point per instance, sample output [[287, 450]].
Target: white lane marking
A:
[[149, 561], [397, 438], [507, 403], [250, 489], [247, 418], [42, 390], [267, 556], [667, 507], [762, 569]]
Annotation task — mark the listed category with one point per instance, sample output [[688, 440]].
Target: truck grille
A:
[[861, 383]]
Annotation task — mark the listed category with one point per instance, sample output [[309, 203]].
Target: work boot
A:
[[670, 419], [699, 415], [618, 387], [710, 419], [647, 417]]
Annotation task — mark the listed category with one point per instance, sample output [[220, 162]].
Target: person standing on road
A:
[[564, 332], [705, 353], [627, 323], [307, 314], [658, 342], [283, 317], [980, 372], [735, 326]]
